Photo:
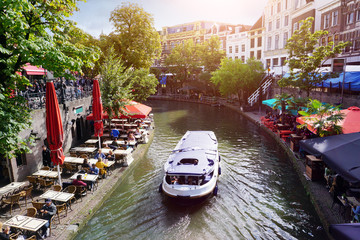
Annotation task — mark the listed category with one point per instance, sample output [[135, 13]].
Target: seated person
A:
[[94, 170], [47, 212], [4, 234], [85, 166], [131, 137], [114, 145], [78, 181], [101, 165], [110, 156], [99, 154], [137, 131]]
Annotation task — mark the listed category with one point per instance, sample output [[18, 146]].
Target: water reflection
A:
[[260, 196]]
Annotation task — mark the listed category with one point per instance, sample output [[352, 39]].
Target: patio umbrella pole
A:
[[59, 175], [99, 141]]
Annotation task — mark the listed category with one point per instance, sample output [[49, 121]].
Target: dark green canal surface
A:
[[260, 196]]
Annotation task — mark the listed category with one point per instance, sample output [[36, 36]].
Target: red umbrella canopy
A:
[[133, 109], [55, 132], [97, 110], [350, 123]]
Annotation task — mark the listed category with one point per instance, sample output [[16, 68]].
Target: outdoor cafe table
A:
[[108, 142], [46, 174], [88, 178], [115, 120], [57, 196], [74, 160], [83, 150], [26, 223], [91, 142], [94, 161], [130, 125], [11, 187], [122, 153]]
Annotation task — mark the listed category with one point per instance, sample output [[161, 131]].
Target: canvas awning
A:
[[340, 152], [34, 70]]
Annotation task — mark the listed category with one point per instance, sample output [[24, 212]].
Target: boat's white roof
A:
[[198, 139], [200, 145]]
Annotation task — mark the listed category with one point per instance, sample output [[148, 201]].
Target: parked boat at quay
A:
[[193, 167]]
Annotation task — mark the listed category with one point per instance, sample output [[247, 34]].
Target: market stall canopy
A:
[[346, 231], [34, 70], [133, 110], [271, 103], [340, 152], [350, 123]]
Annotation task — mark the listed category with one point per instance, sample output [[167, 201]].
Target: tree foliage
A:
[[33, 32], [236, 77], [143, 84], [183, 60], [115, 85], [210, 54], [135, 39], [326, 119], [306, 57]]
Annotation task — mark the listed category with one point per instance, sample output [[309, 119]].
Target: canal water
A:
[[259, 197]]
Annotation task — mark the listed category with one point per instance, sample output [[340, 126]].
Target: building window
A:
[[243, 47], [272, 10], [279, 7], [258, 54], [335, 18], [323, 41], [269, 43], [358, 15], [278, 23], [285, 38], [236, 57], [350, 18], [336, 38], [20, 159], [252, 54], [286, 4], [259, 41], [270, 26], [230, 49], [259, 32], [243, 58], [267, 63], [275, 61], [236, 49], [357, 45], [252, 43], [295, 26], [286, 20], [277, 41], [282, 61], [326, 20], [329, 39]]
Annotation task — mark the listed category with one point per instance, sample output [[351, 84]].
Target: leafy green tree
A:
[[183, 60], [282, 102], [135, 38], [32, 32], [115, 85], [236, 77], [326, 120], [306, 57], [143, 84], [210, 54]]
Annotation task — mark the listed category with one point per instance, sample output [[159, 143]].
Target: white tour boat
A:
[[193, 168]]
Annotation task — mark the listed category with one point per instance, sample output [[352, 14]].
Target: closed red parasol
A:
[[97, 109], [55, 132]]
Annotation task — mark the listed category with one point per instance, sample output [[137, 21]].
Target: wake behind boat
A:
[[193, 168]]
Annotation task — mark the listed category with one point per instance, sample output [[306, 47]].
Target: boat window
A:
[[192, 161]]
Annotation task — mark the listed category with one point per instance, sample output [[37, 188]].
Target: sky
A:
[[93, 16]]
